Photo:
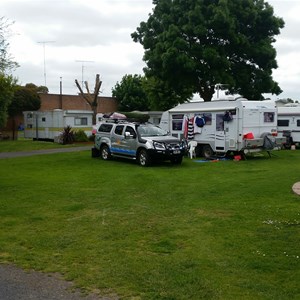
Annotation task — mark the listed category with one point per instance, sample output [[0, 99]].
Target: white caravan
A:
[[223, 126], [288, 124], [48, 125]]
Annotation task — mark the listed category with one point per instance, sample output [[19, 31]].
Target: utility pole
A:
[[82, 68], [44, 48], [60, 93]]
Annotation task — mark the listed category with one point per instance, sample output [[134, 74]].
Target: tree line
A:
[[14, 98], [189, 47]]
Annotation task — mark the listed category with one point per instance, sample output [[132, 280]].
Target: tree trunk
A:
[[91, 99], [206, 92]]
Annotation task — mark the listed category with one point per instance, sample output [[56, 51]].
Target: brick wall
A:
[[76, 102]]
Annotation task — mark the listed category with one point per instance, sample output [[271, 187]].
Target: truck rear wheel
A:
[[105, 152], [207, 152], [143, 158]]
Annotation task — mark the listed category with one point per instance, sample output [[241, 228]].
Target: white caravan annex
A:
[[48, 125], [223, 126], [289, 124]]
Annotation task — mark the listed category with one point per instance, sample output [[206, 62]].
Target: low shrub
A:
[[80, 136], [67, 135]]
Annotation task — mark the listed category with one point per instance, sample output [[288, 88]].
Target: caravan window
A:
[[177, 121], [207, 117], [282, 123], [269, 117], [81, 121], [219, 122]]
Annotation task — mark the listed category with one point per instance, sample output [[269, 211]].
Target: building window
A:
[[81, 121], [298, 123], [43, 119]]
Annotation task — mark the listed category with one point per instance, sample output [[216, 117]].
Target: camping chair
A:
[[192, 146]]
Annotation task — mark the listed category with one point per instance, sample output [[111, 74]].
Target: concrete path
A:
[[16, 284], [40, 152]]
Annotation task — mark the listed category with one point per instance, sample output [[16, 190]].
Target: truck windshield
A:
[[150, 130]]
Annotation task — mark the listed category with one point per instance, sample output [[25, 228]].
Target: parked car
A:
[[142, 142]]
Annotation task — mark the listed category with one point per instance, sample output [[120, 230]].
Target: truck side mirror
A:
[[129, 135]]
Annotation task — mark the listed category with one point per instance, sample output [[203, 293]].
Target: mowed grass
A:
[[215, 230]]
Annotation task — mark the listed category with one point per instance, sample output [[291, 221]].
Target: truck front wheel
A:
[[105, 152], [143, 158], [176, 160]]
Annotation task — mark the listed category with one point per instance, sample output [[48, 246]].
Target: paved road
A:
[[40, 152], [16, 284]]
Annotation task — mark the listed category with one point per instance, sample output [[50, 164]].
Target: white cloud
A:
[[99, 31]]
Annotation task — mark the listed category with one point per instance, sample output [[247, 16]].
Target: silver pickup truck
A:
[[142, 142]]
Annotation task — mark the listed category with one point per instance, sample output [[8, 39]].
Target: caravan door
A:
[[219, 133]]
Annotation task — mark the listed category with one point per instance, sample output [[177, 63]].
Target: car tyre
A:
[[176, 160], [105, 152], [143, 158]]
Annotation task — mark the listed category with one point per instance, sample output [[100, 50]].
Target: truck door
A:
[[116, 140], [129, 143], [220, 133], [123, 141]]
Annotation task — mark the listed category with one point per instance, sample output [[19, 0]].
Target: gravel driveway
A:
[[45, 151], [16, 284]]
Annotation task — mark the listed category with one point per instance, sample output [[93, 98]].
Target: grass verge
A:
[[219, 230]]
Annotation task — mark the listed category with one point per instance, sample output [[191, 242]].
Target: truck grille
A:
[[173, 146]]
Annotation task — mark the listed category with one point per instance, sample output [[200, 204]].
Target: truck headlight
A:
[[159, 146]]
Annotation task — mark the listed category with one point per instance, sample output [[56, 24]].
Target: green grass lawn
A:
[[215, 230]]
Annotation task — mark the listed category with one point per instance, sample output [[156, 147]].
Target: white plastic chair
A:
[[192, 146]]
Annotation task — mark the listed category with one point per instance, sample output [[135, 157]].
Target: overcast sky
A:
[[77, 39]]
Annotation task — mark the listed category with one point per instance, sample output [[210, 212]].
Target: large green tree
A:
[[24, 99], [7, 65], [39, 89], [6, 62], [7, 85], [195, 44], [162, 96], [130, 93]]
